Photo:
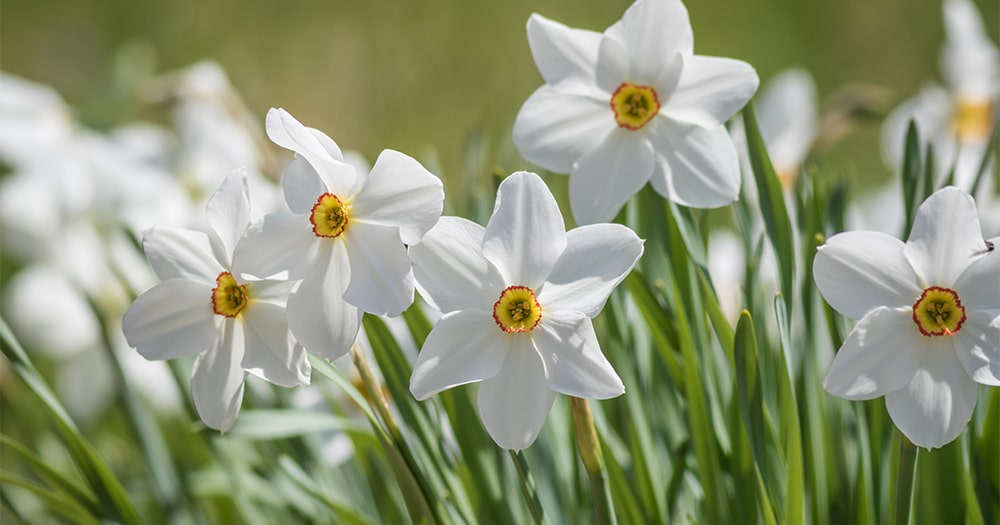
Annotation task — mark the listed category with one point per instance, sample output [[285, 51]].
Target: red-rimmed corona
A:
[[517, 310], [634, 105], [938, 311]]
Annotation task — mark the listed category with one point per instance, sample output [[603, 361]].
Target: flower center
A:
[[517, 310], [634, 106], [329, 216], [972, 119], [938, 312], [229, 298]]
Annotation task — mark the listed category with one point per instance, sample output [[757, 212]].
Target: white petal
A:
[[217, 379], [285, 131], [228, 212], [301, 185], [526, 233], [271, 353], [979, 285], [695, 167], [604, 178], [172, 319], [612, 65], [937, 404], [597, 258], [275, 292], [978, 346], [859, 271], [787, 112], [652, 32], [880, 355], [553, 129], [574, 364], [945, 238], [318, 316], [565, 57], [178, 253], [281, 242], [381, 276], [515, 403], [450, 269], [401, 193], [969, 60], [463, 347], [711, 90]]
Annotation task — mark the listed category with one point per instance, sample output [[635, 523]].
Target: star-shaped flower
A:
[[517, 298], [929, 312], [632, 105]]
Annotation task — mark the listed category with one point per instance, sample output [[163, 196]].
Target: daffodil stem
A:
[[593, 460], [904, 480], [528, 487]]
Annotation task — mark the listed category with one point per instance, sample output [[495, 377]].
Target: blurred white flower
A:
[[929, 317], [517, 298], [631, 105], [205, 306], [344, 236]]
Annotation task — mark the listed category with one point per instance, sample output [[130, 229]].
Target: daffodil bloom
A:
[[929, 317], [344, 236], [517, 298], [631, 105], [205, 306]]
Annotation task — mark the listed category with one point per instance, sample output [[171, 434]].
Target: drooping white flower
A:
[[929, 317], [344, 236], [631, 105], [517, 298], [205, 306]]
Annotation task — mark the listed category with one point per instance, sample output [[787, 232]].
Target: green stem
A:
[[528, 487], [904, 480], [593, 460]]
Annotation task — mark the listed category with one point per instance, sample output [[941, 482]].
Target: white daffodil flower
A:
[[631, 105], [205, 306], [344, 236], [957, 119], [929, 317], [517, 298]]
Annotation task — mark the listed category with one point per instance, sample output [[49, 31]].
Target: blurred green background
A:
[[423, 75]]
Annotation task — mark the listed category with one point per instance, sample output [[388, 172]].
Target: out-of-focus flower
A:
[[344, 236], [205, 306], [517, 298], [631, 105], [929, 317], [957, 119]]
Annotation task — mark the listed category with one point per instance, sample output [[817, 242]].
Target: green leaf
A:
[[278, 424], [55, 502], [59, 481], [911, 176], [794, 510]]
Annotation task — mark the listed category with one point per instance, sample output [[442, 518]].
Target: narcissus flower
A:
[[517, 298], [204, 306], [929, 312], [631, 105], [344, 236]]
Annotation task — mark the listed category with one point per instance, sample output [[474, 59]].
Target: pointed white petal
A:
[[271, 353], [597, 258], [463, 347], [217, 379], [565, 57], [450, 269], [172, 319], [977, 346], [400, 193], [945, 238], [605, 177], [553, 129], [526, 233], [880, 355], [301, 185], [695, 167], [515, 402], [270, 291], [574, 363], [318, 316], [281, 242], [228, 213], [652, 32], [612, 65], [381, 276], [979, 285], [859, 271], [787, 112], [178, 253], [710, 90], [937, 404], [970, 61], [285, 131]]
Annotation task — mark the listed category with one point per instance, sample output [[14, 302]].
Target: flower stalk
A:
[[904, 480], [528, 487], [589, 447]]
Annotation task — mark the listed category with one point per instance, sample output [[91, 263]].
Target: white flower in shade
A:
[[517, 298], [957, 119], [205, 306], [929, 317], [344, 236], [631, 105]]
